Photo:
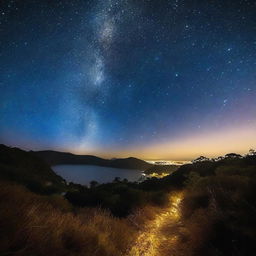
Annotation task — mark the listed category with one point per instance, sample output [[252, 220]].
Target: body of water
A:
[[83, 174]]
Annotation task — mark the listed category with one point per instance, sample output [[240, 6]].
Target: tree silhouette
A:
[[232, 155], [200, 159], [252, 152], [117, 179], [93, 184]]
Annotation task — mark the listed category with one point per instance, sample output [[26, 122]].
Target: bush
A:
[[218, 211]]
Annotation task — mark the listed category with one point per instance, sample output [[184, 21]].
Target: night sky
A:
[[152, 79]]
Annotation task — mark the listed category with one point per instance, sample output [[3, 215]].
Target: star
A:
[[80, 75]]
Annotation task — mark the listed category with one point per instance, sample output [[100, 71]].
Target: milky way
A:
[[154, 79]]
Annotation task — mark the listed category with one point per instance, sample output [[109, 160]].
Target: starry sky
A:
[[155, 79]]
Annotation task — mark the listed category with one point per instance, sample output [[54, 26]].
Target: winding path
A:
[[151, 237]]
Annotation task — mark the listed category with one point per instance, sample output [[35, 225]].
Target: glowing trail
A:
[[151, 237]]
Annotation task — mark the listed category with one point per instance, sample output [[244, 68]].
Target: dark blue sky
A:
[[154, 79]]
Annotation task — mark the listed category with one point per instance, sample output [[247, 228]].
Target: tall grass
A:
[[217, 215], [31, 225]]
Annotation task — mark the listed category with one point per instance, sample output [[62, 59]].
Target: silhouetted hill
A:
[[56, 158], [162, 169], [28, 169], [130, 163]]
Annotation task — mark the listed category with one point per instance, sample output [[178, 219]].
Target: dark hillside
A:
[[26, 168], [56, 158], [129, 163]]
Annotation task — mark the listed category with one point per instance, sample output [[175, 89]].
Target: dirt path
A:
[[151, 237]]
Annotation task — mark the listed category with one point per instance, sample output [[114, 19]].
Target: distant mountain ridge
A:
[[57, 158]]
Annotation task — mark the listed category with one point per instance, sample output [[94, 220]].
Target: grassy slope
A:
[[218, 209], [38, 225], [217, 212]]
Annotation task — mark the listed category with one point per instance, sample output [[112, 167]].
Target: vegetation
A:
[[218, 208], [45, 216], [33, 225], [120, 197]]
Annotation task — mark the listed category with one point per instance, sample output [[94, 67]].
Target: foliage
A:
[[218, 211], [120, 197]]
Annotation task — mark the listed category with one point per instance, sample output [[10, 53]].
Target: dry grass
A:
[[30, 225], [37, 225], [188, 234]]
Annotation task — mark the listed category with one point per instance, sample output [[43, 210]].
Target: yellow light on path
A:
[[150, 239]]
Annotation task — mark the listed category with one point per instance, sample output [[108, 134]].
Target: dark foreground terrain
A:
[[213, 214]]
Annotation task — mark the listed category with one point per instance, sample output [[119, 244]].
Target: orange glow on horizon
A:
[[210, 143]]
